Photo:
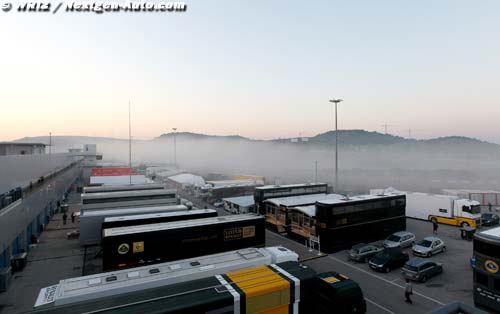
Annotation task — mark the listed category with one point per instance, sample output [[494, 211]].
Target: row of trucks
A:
[[445, 209], [181, 261]]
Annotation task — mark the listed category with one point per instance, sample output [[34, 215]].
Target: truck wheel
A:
[[464, 224], [387, 270]]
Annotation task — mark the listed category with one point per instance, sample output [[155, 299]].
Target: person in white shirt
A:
[[408, 291]]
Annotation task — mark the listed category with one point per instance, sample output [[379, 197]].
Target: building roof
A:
[[20, 170], [353, 199], [242, 201], [307, 210], [230, 183], [22, 144], [303, 199], [118, 180], [471, 191], [289, 185], [113, 171], [188, 179], [492, 233]]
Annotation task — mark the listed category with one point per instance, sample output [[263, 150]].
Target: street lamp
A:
[[336, 102], [175, 148]]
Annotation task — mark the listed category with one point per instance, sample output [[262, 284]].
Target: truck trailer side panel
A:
[[421, 205], [151, 244]]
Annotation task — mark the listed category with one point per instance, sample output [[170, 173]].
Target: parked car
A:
[[363, 252], [400, 239], [388, 260], [489, 219], [429, 246], [419, 269]]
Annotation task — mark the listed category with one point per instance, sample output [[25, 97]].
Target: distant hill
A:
[[355, 138], [201, 136], [362, 137]]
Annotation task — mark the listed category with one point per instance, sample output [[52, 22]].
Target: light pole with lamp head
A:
[[336, 102]]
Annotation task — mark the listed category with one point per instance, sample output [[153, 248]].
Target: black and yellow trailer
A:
[[142, 245], [273, 289]]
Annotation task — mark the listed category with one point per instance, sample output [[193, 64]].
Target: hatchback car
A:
[[419, 269], [429, 246], [388, 260], [363, 252], [400, 239], [489, 219]]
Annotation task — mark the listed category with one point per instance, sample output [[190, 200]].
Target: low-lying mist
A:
[[410, 167]]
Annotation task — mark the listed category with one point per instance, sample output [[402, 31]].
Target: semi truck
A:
[[445, 209], [287, 287]]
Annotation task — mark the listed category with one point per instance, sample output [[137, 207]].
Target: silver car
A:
[[401, 239], [429, 246]]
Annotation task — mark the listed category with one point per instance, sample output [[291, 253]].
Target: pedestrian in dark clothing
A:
[[408, 291], [73, 217], [65, 217], [490, 207], [434, 227]]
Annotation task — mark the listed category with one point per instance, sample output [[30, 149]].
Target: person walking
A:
[[72, 217], [408, 291], [490, 207], [65, 217], [434, 227]]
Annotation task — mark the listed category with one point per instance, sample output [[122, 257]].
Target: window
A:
[[481, 279], [488, 249], [466, 209], [496, 284], [475, 209]]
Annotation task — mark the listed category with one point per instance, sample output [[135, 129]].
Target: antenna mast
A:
[[129, 143]]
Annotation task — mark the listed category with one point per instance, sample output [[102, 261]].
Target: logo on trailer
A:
[[138, 247], [491, 266], [123, 248]]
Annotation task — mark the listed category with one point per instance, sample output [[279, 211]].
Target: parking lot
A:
[[384, 292]]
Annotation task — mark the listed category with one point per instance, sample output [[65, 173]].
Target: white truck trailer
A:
[[91, 221], [446, 209]]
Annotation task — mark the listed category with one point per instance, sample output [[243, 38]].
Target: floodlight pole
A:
[[336, 187], [175, 148]]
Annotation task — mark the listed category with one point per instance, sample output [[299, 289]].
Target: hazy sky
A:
[[262, 69]]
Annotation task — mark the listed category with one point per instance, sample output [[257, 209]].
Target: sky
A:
[[260, 69]]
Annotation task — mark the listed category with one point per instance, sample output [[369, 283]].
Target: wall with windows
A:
[[25, 217]]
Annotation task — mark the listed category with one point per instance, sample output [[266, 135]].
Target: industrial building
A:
[[116, 176], [240, 204], [31, 188], [487, 198], [13, 148]]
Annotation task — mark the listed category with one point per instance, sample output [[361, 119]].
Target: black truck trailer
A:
[[141, 245]]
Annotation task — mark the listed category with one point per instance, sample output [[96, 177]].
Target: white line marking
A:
[[368, 273], [383, 279], [379, 306], [395, 279]]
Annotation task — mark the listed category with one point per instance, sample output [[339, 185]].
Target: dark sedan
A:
[[363, 252], [388, 260], [419, 269], [489, 219]]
